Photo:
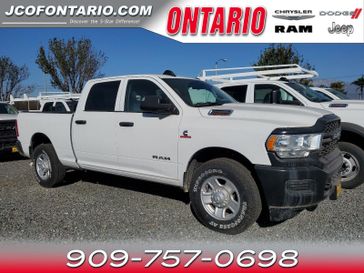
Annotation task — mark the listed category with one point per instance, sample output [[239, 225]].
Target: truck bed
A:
[[57, 127]]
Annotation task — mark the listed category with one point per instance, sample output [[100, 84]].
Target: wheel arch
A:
[[352, 133], [209, 153], [38, 139]]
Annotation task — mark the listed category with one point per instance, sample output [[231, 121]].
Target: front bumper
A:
[[290, 189]]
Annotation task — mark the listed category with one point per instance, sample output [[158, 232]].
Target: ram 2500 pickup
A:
[[8, 130], [233, 159]]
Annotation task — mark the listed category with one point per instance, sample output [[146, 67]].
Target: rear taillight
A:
[[16, 128]]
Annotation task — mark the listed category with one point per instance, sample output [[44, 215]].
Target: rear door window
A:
[[102, 97], [263, 93], [238, 92]]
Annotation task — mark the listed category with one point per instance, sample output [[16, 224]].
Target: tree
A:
[[339, 86], [11, 76], [360, 83], [276, 54], [71, 63]]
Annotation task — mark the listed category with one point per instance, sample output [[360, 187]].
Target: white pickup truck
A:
[[235, 160], [274, 85], [8, 130]]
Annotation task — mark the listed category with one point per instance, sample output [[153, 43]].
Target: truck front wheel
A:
[[352, 171], [49, 171], [224, 196]]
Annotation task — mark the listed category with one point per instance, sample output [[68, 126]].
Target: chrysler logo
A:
[[293, 14], [293, 17]]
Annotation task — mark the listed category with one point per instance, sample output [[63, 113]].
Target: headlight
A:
[[293, 146]]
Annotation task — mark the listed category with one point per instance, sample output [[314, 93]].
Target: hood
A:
[[280, 115], [350, 104], [7, 117]]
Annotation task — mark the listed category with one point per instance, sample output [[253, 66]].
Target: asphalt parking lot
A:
[[104, 208]]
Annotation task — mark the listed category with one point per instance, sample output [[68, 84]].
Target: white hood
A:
[[282, 115]]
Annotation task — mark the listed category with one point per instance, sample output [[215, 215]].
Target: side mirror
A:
[[152, 104]]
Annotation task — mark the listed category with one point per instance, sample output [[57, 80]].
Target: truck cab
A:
[[279, 85]]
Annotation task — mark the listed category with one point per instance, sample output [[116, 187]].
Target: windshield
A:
[[7, 109], [309, 93], [338, 94], [197, 93]]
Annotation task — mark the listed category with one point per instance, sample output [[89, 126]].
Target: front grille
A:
[[331, 137], [332, 127], [7, 129]]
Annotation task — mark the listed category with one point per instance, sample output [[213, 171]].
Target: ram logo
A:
[[159, 157], [293, 29]]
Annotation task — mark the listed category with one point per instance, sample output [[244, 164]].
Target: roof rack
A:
[[267, 72]]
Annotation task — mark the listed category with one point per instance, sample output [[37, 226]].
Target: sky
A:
[[138, 51]]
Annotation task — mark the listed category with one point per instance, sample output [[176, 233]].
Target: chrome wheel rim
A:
[[220, 198], [350, 168], [43, 166]]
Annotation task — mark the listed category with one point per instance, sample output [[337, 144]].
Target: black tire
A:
[[57, 171], [358, 154], [247, 196]]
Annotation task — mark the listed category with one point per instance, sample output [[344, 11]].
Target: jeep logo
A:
[[293, 29], [341, 29]]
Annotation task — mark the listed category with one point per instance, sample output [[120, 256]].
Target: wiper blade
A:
[[202, 104]]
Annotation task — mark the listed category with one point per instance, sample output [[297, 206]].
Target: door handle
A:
[[81, 122], [126, 124]]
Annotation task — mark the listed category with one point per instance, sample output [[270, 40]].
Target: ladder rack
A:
[[47, 96], [26, 103], [267, 72]]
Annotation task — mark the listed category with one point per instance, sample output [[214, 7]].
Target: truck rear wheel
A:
[[224, 196], [49, 171], [352, 171]]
